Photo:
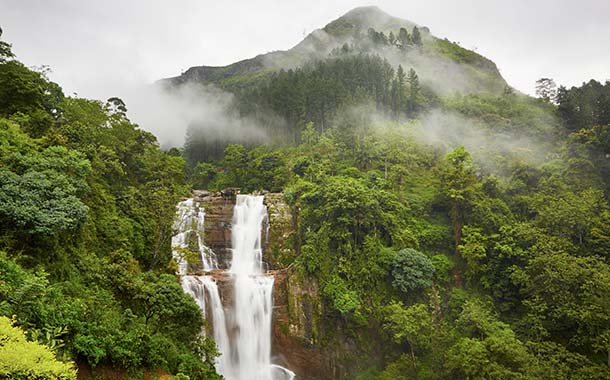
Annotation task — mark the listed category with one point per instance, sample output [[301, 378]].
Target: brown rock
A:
[[217, 224]]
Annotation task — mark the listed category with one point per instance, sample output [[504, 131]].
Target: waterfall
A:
[[205, 292], [243, 331], [189, 223]]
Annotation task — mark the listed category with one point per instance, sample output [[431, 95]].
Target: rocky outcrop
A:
[[297, 314], [217, 222]]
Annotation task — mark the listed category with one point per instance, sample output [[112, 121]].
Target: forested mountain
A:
[[439, 62], [364, 56], [442, 225]]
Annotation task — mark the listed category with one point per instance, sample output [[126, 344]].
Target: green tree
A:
[[5, 50], [416, 37], [565, 293], [546, 89], [458, 187], [412, 325], [488, 349], [411, 270], [41, 195], [404, 38], [414, 101]]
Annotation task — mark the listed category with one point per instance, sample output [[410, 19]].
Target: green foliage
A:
[[404, 38], [251, 170], [459, 187], [502, 113], [40, 189], [412, 324], [317, 91], [443, 265], [586, 106], [458, 54], [344, 301], [401, 369], [546, 89], [588, 151], [565, 296], [203, 174], [21, 359], [473, 250], [87, 202], [127, 327], [516, 281], [557, 363], [489, 349], [5, 50], [411, 270], [416, 37], [519, 229]]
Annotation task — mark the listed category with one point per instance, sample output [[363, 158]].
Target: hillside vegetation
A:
[[455, 228], [86, 206]]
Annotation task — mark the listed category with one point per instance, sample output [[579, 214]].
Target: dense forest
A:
[[447, 255], [86, 206]]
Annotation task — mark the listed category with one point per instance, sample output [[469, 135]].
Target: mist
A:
[[169, 113], [491, 147], [442, 75]]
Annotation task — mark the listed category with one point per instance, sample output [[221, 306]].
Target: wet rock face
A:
[[217, 223], [278, 249], [296, 318], [302, 341], [297, 310]]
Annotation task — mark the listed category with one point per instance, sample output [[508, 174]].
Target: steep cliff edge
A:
[[217, 222]]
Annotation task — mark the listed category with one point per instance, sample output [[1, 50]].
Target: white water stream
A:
[[243, 330]]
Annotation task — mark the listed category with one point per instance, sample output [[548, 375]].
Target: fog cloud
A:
[[170, 112], [491, 147]]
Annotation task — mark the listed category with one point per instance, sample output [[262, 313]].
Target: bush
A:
[[21, 360]]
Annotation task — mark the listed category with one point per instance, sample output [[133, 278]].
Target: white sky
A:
[[99, 48]]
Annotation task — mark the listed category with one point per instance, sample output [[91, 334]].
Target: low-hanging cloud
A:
[[444, 75], [169, 112], [495, 148], [492, 148]]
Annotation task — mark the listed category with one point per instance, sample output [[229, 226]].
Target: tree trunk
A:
[[414, 362]]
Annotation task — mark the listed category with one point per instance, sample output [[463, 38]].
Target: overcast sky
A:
[[99, 48]]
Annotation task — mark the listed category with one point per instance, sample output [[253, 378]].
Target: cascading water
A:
[[189, 224], [243, 332]]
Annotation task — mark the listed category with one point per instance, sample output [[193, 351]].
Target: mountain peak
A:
[[363, 18], [441, 65], [367, 11]]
